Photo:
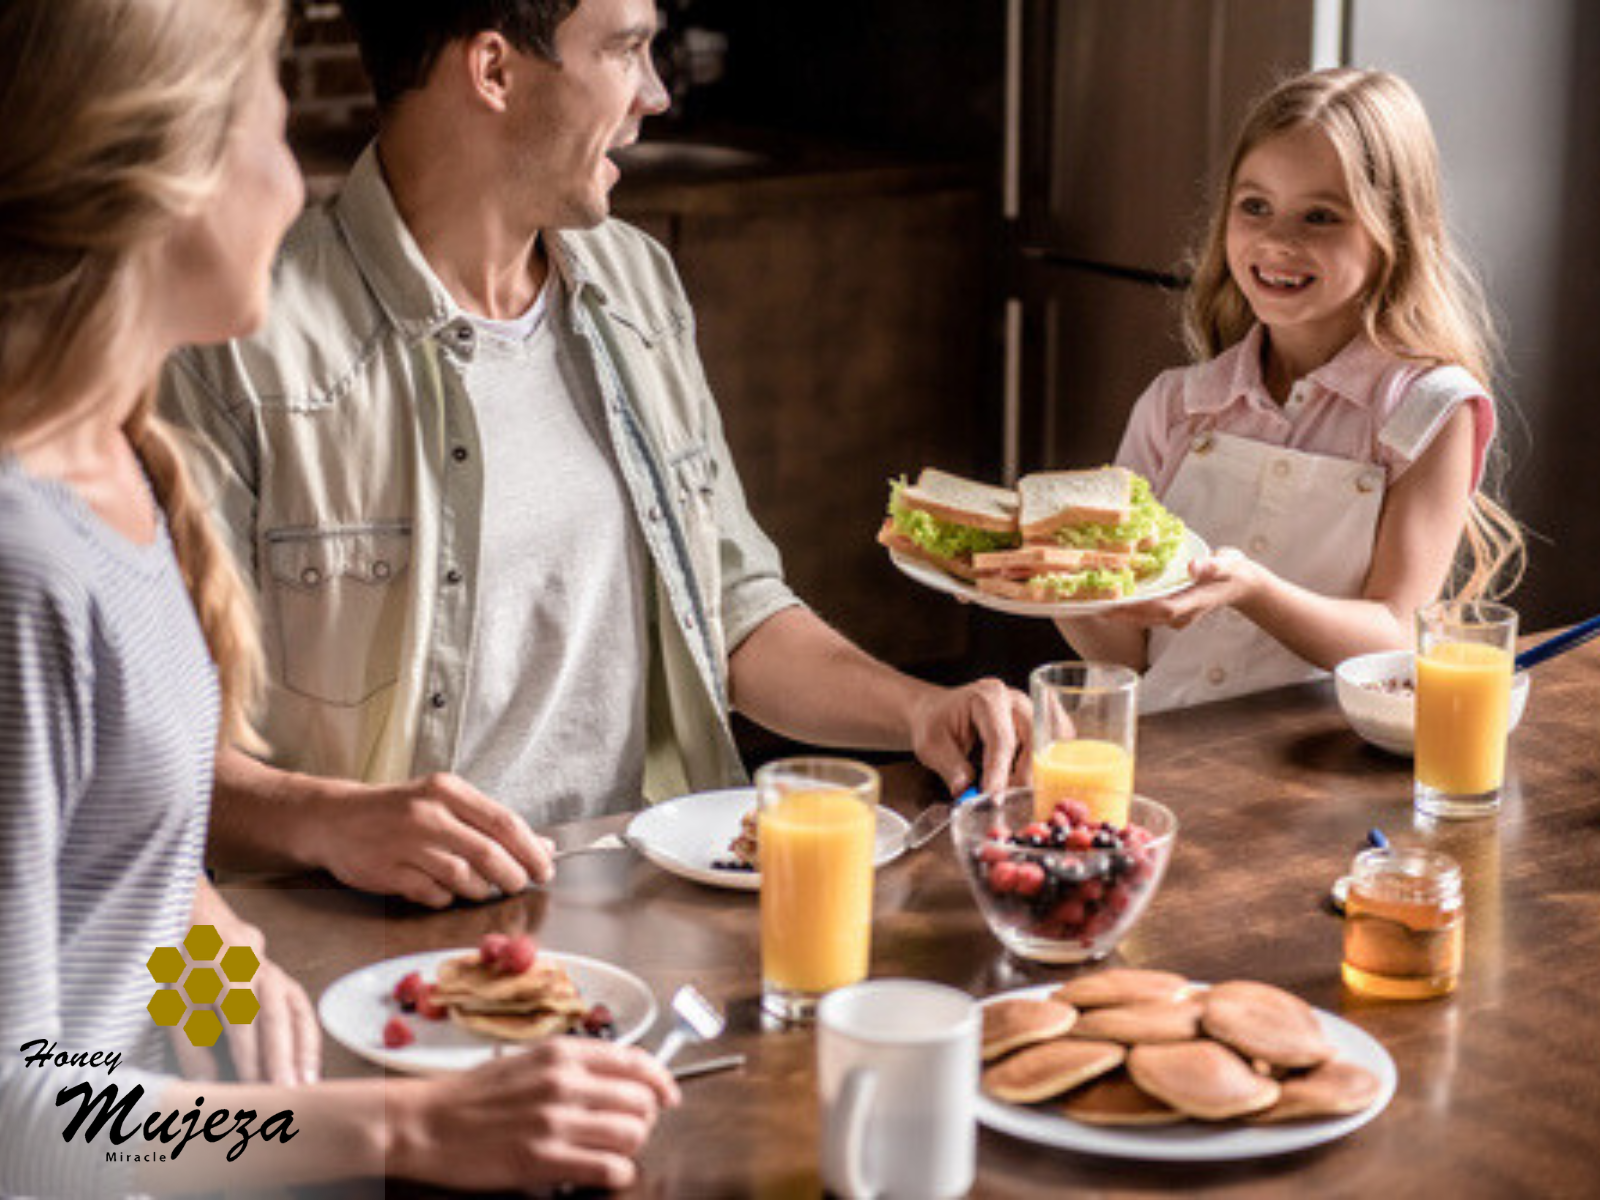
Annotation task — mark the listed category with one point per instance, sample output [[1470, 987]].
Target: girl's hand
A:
[[1225, 579]]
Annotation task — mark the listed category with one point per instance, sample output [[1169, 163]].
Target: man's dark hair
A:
[[400, 40]]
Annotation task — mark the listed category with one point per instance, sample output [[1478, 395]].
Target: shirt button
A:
[[452, 576], [655, 513], [311, 577], [460, 454], [437, 700], [1201, 443], [1281, 468], [380, 569], [688, 620], [1258, 544], [1216, 676], [464, 334]]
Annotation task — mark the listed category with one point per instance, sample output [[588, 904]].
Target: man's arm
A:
[[796, 675], [429, 839]]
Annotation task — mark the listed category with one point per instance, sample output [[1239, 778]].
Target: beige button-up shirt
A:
[[341, 450]]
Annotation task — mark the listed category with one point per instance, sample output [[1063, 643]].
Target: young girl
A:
[[1330, 440], [144, 184]]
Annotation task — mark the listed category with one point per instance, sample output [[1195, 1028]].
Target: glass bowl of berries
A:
[[1065, 888]]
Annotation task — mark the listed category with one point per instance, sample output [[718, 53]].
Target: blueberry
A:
[[1104, 840]]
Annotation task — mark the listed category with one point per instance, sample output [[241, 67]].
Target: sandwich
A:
[[946, 520], [1109, 511], [1048, 574]]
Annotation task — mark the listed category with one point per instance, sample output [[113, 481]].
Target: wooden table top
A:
[[1499, 1089]]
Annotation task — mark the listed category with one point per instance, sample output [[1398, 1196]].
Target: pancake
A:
[[513, 1027], [1266, 1023], [1334, 1089], [1122, 985], [1011, 1024], [1115, 1099], [467, 981], [1050, 1068], [1201, 1079], [1132, 1024]]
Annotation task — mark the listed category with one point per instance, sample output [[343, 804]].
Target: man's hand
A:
[[1225, 579], [950, 722], [567, 1111], [430, 840]]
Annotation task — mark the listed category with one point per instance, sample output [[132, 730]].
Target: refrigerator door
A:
[[1091, 344], [1128, 107]]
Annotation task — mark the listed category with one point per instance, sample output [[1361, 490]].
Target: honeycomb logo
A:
[[194, 970]]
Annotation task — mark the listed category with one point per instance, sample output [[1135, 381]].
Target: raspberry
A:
[[1117, 901], [428, 1005], [519, 955], [1069, 913], [408, 989], [1079, 839], [492, 948], [997, 833], [992, 852], [1037, 830], [1030, 878], [1002, 877], [597, 1019], [396, 1033], [1091, 889]]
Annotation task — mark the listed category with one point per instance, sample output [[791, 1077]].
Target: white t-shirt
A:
[[554, 725]]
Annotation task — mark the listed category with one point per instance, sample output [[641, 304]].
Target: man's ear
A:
[[487, 57]]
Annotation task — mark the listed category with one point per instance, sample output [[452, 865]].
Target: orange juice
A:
[[816, 889], [1098, 773], [1463, 700]]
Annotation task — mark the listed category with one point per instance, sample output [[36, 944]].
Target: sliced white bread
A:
[[1044, 558], [962, 501], [1034, 591], [1050, 500], [894, 540]]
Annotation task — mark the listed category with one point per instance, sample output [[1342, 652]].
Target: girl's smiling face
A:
[[1295, 246]]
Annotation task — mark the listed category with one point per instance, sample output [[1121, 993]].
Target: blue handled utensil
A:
[[1560, 644]]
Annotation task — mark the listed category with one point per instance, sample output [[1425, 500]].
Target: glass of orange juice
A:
[[1465, 653], [815, 833], [1085, 717]]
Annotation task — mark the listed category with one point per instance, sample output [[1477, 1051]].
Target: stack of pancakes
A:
[[1135, 1047], [744, 848], [522, 1007]]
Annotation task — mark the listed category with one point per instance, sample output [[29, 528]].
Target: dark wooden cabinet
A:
[[845, 321]]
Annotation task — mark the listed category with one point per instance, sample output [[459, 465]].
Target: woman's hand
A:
[[283, 1044], [568, 1111], [1225, 579]]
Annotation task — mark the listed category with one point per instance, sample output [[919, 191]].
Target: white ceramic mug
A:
[[897, 1066]]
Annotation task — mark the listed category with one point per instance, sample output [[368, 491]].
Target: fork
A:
[[697, 1019], [610, 841]]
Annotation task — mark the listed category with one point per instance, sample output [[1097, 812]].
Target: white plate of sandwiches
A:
[[710, 837], [1063, 543], [1122, 1063], [475, 1010]]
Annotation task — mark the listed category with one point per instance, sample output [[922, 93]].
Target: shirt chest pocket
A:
[[336, 609], [693, 472]]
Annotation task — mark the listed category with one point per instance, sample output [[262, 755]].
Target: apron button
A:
[[1258, 544], [1281, 468], [1202, 443], [1367, 482], [1216, 676]]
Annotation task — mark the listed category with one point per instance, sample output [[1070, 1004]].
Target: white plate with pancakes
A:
[[355, 1007], [688, 834], [1175, 578], [1191, 1140]]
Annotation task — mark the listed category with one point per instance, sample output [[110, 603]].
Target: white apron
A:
[[1310, 518]]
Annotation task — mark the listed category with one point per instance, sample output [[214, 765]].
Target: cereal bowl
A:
[[1065, 890], [1378, 696]]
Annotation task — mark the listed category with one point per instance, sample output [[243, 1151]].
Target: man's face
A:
[[569, 117]]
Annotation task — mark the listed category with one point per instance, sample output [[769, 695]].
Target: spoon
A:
[[930, 822], [1560, 644], [698, 1020]]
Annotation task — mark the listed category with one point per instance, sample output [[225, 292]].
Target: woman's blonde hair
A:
[[116, 115], [1423, 303]]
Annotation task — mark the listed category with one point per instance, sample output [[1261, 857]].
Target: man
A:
[[478, 474]]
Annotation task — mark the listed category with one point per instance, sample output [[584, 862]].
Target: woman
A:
[[144, 184]]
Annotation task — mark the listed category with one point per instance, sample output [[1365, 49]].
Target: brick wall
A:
[[322, 73]]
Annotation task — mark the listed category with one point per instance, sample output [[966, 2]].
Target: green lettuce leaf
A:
[[944, 538]]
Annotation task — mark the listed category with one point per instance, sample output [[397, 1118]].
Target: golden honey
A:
[[1403, 925]]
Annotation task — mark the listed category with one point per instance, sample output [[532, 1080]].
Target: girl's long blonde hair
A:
[[1423, 304], [116, 115]]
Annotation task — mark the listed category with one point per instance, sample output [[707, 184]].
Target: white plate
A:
[[355, 1007], [687, 834], [1174, 579], [1196, 1141]]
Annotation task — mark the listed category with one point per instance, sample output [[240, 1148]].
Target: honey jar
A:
[[1403, 924]]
